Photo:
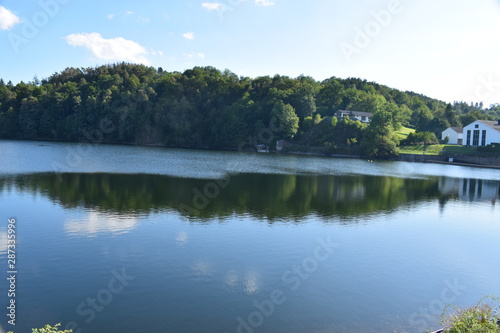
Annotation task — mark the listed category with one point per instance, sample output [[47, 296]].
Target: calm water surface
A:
[[135, 239]]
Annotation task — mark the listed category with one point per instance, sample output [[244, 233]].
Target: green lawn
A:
[[437, 149], [420, 149], [404, 132], [452, 149]]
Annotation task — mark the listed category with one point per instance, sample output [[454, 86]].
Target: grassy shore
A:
[[441, 149]]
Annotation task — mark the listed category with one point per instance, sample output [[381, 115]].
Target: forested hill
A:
[[207, 108]]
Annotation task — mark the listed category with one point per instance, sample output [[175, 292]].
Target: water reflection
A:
[[182, 238], [96, 223], [272, 197], [470, 189], [3, 242]]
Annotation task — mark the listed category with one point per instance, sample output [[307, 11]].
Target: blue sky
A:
[[446, 49]]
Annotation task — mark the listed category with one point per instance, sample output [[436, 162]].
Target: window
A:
[[468, 138], [475, 138], [483, 142], [477, 126]]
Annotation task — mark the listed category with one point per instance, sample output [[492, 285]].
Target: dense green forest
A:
[[204, 107]]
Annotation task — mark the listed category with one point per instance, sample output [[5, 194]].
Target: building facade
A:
[[455, 135], [364, 117], [482, 133]]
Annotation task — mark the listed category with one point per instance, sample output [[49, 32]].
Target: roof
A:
[[458, 129], [357, 113], [492, 124], [362, 114]]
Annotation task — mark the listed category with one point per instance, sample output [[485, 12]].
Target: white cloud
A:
[[194, 55], [118, 49], [141, 19], [7, 19], [188, 35], [129, 12], [212, 5], [264, 3], [111, 16], [154, 52]]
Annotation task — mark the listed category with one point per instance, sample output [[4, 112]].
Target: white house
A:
[[364, 117], [455, 135], [482, 133]]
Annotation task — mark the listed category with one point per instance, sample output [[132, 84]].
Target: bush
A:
[[49, 329], [420, 138], [493, 148], [480, 318]]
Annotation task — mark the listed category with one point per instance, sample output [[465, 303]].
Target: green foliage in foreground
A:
[[49, 329], [481, 318]]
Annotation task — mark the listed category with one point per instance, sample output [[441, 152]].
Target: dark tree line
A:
[[207, 108]]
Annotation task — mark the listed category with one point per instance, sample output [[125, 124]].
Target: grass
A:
[[422, 149], [481, 318], [438, 149], [404, 132], [451, 149]]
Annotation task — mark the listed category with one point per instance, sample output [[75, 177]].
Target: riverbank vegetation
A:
[[49, 329], [481, 318], [204, 107]]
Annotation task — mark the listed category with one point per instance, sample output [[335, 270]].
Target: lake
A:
[[146, 239]]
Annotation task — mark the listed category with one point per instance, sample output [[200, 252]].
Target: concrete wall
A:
[[422, 158], [469, 159], [483, 160]]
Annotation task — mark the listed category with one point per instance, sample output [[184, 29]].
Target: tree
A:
[[376, 145], [420, 138], [335, 121], [206, 107], [379, 140], [471, 117], [287, 118], [451, 117]]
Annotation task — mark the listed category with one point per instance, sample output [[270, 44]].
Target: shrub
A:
[[420, 138], [481, 318], [493, 148], [49, 329]]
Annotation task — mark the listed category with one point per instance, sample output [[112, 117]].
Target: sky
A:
[[445, 49]]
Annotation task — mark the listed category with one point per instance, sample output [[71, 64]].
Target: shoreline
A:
[[412, 158]]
